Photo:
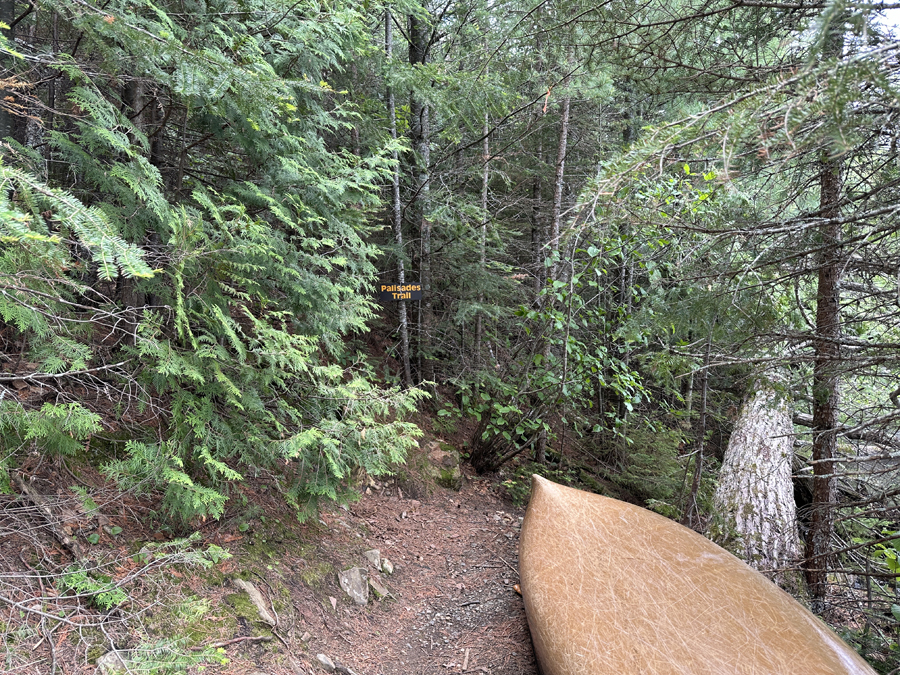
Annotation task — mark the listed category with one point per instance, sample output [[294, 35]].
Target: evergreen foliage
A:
[[212, 255]]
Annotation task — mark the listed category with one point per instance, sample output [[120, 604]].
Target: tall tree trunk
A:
[[482, 244], [692, 512], [555, 227], [538, 230], [396, 210], [826, 369], [755, 496], [419, 131], [826, 385], [559, 181], [7, 16]]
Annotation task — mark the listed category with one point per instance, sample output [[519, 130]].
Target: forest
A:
[[653, 239]]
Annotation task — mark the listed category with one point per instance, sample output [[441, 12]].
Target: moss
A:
[[185, 619], [313, 575], [449, 478], [242, 605], [94, 652], [91, 640]]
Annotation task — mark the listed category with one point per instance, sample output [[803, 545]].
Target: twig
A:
[[515, 571], [225, 643]]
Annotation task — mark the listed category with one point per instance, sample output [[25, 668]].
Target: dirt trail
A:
[[453, 607]]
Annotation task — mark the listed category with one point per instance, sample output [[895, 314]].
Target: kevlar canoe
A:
[[614, 589]]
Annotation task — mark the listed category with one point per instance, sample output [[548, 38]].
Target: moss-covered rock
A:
[[443, 465]]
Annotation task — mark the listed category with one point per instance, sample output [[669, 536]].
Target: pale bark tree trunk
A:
[[396, 211], [482, 244], [692, 512], [540, 453], [755, 497], [556, 222], [538, 230]]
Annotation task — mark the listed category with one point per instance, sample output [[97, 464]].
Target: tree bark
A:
[[419, 131], [826, 367], [826, 386], [540, 453], [482, 244], [396, 211], [538, 229], [559, 181], [755, 496], [7, 16], [692, 512]]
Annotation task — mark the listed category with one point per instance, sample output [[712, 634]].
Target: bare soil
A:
[[452, 606], [455, 608]]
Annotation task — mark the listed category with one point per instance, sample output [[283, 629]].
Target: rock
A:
[[326, 663], [257, 599], [342, 669], [379, 588], [387, 566], [444, 466], [111, 663], [374, 557], [305, 637], [353, 581]]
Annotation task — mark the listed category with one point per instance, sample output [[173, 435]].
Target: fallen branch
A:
[[38, 500]]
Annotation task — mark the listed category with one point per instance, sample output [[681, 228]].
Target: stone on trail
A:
[[387, 566], [443, 465], [111, 663], [326, 663], [379, 588], [374, 557], [353, 581]]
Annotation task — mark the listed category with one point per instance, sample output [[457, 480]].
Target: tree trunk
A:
[[692, 512], [7, 16], [396, 211], [538, 230], [755, 496], [540, 453], [482, 244], [826, 386], [419, 132], [826, 368], [556, 221]]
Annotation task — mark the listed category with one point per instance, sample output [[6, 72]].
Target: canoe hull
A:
[[614, 589]]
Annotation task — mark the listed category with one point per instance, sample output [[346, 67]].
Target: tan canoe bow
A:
[[614, 589]]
